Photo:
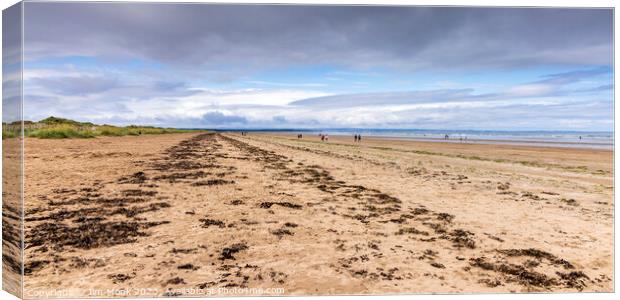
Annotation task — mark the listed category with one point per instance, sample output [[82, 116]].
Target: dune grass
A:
[[59, 132], [7, 134], [133, 130], [69, 131], [59, 128]]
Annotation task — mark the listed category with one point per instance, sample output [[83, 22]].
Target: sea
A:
[[568, 139]]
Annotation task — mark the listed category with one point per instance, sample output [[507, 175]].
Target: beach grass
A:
[[59, 132], [6, 134], [59, 128]]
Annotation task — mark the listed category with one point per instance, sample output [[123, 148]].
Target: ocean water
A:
[[592, 139]]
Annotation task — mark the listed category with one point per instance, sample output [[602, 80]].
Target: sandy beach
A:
[[174, 213], [11, 220]]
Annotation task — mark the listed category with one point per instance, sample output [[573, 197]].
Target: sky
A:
[[252, 66]]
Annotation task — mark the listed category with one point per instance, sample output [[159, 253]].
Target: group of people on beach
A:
[[325, 137], [461, 138]]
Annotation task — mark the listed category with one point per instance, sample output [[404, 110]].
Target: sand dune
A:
[[172, 214]]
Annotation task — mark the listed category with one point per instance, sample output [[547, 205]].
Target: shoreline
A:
[[516, 143], [585, 145]]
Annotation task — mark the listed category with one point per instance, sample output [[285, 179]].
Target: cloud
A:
[[82, 85], [251, 37], [280, 119], [576, 75], [161, 85], [11, 64], [86, 86], [534, 105], [600, 88], [277, 66], [12, 35], [386, 98], [533, 89], [551, 85], [218, 118]]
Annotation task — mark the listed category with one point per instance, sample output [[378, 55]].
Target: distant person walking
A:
[[359, 138], [355, 137], [446, 137], [322, 137], [326, 137]]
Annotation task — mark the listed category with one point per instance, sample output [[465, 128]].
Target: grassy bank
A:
[[58, 128]]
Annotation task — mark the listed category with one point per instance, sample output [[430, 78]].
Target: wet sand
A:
[[204, 211]]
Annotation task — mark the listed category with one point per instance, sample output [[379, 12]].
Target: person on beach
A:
[[359, 138], [326, 137], [355, 137], [322, 137]]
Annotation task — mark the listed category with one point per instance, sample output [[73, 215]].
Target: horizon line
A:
[[389, 129]]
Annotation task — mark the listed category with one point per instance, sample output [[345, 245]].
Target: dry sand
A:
[[202, 211], [11, 216]]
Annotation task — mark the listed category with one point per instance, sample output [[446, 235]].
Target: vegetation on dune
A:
[[59, 132], [8, 134], [60, 128], [61, 121]]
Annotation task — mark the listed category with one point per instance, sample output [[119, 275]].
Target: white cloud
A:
[[157, 100], [528, 90]]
